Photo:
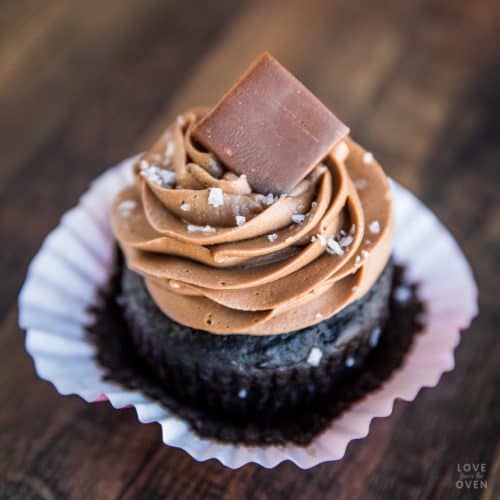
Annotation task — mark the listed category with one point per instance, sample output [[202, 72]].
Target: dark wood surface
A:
[[85, 84]]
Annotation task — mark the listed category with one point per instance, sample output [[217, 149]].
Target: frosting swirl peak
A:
[[219, 257]]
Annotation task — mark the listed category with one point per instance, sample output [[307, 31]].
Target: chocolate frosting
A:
[[218, 257]]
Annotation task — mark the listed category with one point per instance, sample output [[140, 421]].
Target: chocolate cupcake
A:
[[257, 241]]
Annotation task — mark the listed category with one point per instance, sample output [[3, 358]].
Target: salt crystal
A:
[[167, 176], [125, 207], [333, 247], [365, 254], [367, 158], [319, 316], [315, 355], [215, 197], [402, 294], [240, 220], [346, 241], [350, 362], [353, 229], [169, 150], [360, 184], [269, 199], [374, 227], [314, 204], [185, 207], [181, 121], [375, 336], [272, 237], [159, 176], [242, 393], [298, 218], [204, 229]]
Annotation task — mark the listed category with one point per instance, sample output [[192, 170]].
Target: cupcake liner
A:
[[76, 259]]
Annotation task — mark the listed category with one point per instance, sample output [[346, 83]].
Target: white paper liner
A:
[[75, 260]]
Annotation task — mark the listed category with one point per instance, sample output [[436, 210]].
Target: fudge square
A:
[[270, 127]]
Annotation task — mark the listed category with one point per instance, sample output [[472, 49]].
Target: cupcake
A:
[[257, 241], [252, 290]]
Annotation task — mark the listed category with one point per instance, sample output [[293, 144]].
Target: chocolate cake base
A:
[[258, 377], [117, 353]]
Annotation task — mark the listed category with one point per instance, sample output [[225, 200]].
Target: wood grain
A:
[[84, 84]]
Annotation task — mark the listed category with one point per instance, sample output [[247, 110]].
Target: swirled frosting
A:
[[218, 257]]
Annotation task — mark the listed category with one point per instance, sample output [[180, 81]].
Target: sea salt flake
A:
[[156, 175], [360, 184], [333, 247], [374, 227], [353, 229], [204, 229], [365, 254], [215, 197], [181, 121], [240, 220], [169, 150], [314, 204], [167, 176], [350, 362], [298, 218], [375, 336], [185, 207], [272, 237], [367, 158], [319, 316], [127, 205], [315, 355], [125, 208], [346, 241], [402, 294], [269, 200]]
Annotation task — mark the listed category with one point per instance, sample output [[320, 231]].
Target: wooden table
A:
[[85, 84]]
